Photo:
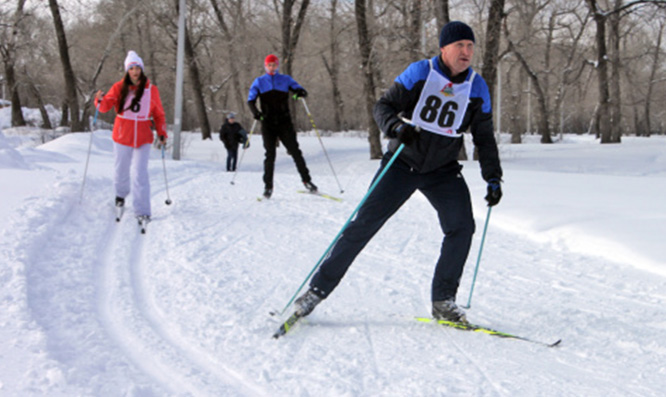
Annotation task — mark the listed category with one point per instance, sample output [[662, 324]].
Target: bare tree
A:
[[197, 89], [364, 43], [414, 30], [332, 68], [493, 35], [92, 83], [606, 130], [540, 84], [441, 12], [231, 42], [46, 122], [291, 31], [68, 71], [615, 91], [8, 50], [651, 81]]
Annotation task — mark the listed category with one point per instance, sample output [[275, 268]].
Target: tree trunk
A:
[[442, 12], [603, 115], [333, 71], [365, 47], [493, 36], [64, 115], [231, 42], [544, 128], [490, 56], [46, 122], [653, 72], [616, 94], [8, 51], [197, 89], [291, 35], [68, 72], [12, 84], [414, 31]]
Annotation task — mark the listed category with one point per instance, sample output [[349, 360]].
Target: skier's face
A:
[[458, 55], [134, 74], [271, 68]]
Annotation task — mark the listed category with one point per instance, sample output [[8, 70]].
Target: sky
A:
[[91, 307]]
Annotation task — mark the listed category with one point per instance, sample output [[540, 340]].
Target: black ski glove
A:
[[259, 116], [300, 93], [406, 133], [494, 192]]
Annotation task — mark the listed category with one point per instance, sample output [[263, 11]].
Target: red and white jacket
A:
[[132, 127]]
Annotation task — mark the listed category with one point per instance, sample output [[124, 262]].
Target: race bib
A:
[[141, 110], [442, 104]]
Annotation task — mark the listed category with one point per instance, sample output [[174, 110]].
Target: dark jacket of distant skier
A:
[[232, 135]]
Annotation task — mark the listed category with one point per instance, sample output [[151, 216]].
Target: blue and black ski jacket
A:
[[273, 94], [432, 151]]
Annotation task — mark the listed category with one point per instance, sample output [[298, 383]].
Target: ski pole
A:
[[478, 260], [337, 237], [307, 110], [254, 123], [85, 171], [166, 182]]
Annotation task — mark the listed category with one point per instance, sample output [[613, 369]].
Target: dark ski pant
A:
[[287, 135], [446, 191], [232, 156]]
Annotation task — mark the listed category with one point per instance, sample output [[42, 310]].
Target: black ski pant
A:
[[447, 192], [287, 135], [232, 156]]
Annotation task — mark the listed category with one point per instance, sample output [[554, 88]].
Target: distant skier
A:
[[232, 134], [444, 97], [138, 107], [272, 90]]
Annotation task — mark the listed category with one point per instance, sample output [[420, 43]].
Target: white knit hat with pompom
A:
[[133, 60]]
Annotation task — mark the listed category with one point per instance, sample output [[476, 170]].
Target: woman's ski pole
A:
[[335, 240], [166, 182], [254, 123], [307, 110], [478, 260], [85, 171]]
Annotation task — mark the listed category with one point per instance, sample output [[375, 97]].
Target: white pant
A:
[[137, 158]]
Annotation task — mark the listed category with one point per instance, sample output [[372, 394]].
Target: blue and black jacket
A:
[[432, 151], [273, 93]]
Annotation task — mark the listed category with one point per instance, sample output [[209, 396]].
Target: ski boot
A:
[[306, 303], [449, 311], [312, 188]]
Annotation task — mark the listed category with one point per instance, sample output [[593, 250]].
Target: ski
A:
[[484, 330], [320, 194], [287, 325], [120, 210], [143, 222]]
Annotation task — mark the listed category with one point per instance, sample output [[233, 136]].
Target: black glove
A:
[[494, 192], [259, 116], [406, 133], [246, 144], [300, 93]]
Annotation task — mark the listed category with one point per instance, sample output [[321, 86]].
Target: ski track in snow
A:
[[183, 310]]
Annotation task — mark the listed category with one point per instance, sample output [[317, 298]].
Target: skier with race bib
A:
[[138, 109], [427, 109]]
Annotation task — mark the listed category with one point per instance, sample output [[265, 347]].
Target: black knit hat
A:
[[455, 31]]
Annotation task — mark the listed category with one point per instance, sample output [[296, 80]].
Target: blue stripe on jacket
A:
[[418, 71]]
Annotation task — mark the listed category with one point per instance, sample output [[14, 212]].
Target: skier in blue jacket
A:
[[444, 97], [272, 90]]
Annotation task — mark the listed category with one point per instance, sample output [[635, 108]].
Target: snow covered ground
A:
[[89, 307]]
